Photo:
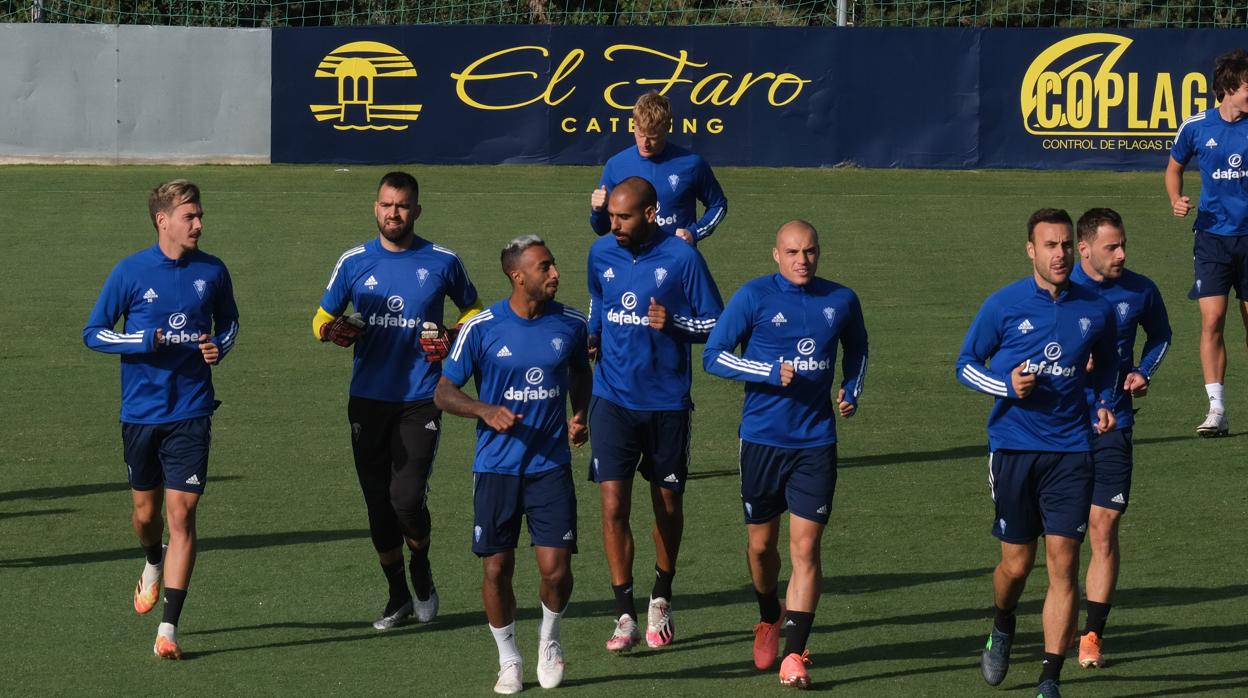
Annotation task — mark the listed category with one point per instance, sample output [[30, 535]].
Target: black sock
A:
[[422, 574], [796, 631], [1098, 613], [399, 594], [768, 606], [662, 584], [1005, 621], [1052, 667], [174, 598], [624, 604], [155, 553]]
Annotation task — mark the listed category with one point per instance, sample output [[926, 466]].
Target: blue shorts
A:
[[1111, 465], [1221, 263], [1040, 493], [625, 441], [174, 455], [801, 480], [547, 500]]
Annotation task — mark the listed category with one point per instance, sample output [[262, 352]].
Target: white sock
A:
[[550, 625], [168, 630], [1214, 391], [505, 638], [151, 573]]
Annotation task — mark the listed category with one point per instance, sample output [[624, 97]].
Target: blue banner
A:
[[819, 97]]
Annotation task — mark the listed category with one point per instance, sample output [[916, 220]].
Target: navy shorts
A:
[[547, 500], [625, 441], [1040, 493], [1111, 465], [1221, 263], [801, 480], [174, 455]]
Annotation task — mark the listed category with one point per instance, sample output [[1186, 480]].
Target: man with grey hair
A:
[[528, 354]]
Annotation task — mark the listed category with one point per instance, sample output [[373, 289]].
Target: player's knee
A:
[[415, 523], [1015, 568], [497, 569]]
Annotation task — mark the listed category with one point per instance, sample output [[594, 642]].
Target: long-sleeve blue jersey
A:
[[1221, 149], [681, 178], [182, 298], [1137, 303], [524, 365], [640, 368], [1022, 324], [775, 321]]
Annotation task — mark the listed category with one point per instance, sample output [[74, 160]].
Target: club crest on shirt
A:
[[422, 275], [674, 181], [200, 286], [557, 345], [1124, 308], [659, 275], [1084, 325], [829, 314]]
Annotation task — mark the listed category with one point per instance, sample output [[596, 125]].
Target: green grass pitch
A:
[[287, 582]]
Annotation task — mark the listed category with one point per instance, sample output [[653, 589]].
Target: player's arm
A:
[[732, 330], [599, 221], [100, 333], [1180, 205], [853, 360], [594, 316], [1157, 336], [225, 323], [982, 341], [581, 386], [1105, 366], [704, 302], [328, 324], [712, 197]]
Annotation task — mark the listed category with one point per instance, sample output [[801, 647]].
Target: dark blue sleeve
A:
[[225, 316], [461, 362], [338, 290], [600, 221], [1157, 333], [732, 330], [594, 284], [463, 294], [854, 361], [100, 332], [1182, 149], [982, 341], [1106, 362], [704, 301], [712, 197]]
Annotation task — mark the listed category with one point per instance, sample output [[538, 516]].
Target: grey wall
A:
[[110, 94]]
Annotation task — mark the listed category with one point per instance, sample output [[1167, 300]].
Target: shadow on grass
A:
[[240, 542], [979, 450], [38, 512], [85, 490]]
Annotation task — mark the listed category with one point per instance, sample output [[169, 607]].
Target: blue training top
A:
[[1136, 302], [522, 365], [1221, 150], [183, 298], [1024, 323], [396, 292], [775, 321], [640, 368], [681, 178]]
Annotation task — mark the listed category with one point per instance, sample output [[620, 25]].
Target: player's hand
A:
[[500, 418], [846, 408], [1136, 385], [591, 346], [436, 341], [786, 373], [1181, 206], [1091, 364], [343, 330], [209, 349], [1105, 420], [598, 199], [686, 235], [578, 430], [1023, 382], [657, 314]]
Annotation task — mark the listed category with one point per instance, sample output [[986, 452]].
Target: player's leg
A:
[[414, 443], [1061, 602], [665, 463], [1214, 270], [141, 449], [550, 508], [613, 464], [184, 460], [809, 490], [496, 512], [1110, 493], [372, 426], [1017, 524]]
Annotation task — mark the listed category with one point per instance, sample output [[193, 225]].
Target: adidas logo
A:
[[1211, 143], [1119, 499], [778, 319], [192, 480], [504, 352], [671, 478], [608, 274], [822, 510], [150, 295], [569, 536], [1082, 528], [432, 425], [1025, 326], [371, 282], [789, 623]]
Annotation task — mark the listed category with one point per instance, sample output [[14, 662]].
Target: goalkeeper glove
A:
[[436, 341], [343, 330]]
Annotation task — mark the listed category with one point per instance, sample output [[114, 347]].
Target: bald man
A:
[[788, 326]]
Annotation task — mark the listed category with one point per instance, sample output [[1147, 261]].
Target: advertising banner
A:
[[818, 97]]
